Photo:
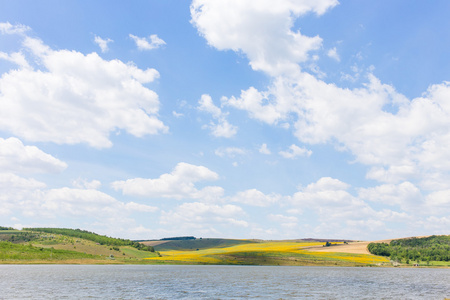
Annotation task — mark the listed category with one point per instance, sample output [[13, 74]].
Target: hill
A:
[[194, 244], [62, 245], [425, 249], [34, 245]]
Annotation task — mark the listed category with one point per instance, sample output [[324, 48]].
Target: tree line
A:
[[87, 235], [6, 228], [432, 248]]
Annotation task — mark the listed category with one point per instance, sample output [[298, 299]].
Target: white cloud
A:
[[332, 53], [176, 114], [31, 199], [17, 58], [148, 44], [8, 28], [102, 43], [437, 225], [264, 150], [406, 195], [204, 219], [406, 142], [17, 192], [206, 104], [260, 30], [295, 151], [330, 198], [438, 203], [403, 142], [15, 157], [222, 128], [258, 105], [282, 219], [83, 98], [230, 152], [12, 182], [287, 222], [256, 198], [133, 206], [84, 184], [179, 184], [77, 202]]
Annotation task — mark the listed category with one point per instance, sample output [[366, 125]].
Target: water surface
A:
[[219, 282]]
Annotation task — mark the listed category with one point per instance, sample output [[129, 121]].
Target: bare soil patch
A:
[[353, 247], [154, 243]]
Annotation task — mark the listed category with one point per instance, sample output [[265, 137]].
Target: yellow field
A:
[[267, 253]]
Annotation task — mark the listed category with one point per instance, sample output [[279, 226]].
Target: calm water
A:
[[219, 282]]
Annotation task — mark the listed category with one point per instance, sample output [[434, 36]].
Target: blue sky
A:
[[235, 119]]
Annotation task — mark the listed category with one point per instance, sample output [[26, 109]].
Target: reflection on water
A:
[[219, 282]]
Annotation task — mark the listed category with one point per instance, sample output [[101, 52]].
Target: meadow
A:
[[29, 246], [267, 253]]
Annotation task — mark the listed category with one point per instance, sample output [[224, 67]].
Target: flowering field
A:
[[267, 253]]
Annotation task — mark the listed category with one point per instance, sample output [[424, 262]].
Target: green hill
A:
[[194, 244], [75, 246], [432, 248], [101, 239], [61, 245]]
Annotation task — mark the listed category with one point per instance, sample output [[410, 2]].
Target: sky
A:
[[226, 118]]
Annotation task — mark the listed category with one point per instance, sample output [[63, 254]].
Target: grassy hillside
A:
[[87, 235], [74, 246], [267, 253], [25, 246], [15, 252], [199, 244]]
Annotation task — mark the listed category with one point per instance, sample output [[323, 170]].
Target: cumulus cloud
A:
[[285, 221], [340, 212], [332, 53], [103, 43], [83, 98], [264, 150], [30, 198], [260, 30], [84, 184], [204, 219], [178, 184], [406, 195], [256, 198], [17, 184], [8, 28], [403, 142], [221, 128], [17, 58], [407, 144], [295, 151], [153, 42], [15, 157], [230, 152]]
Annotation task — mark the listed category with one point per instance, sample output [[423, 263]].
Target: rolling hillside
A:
[[75, 246], [194, 244]]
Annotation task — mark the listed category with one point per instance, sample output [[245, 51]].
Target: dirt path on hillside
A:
[[154, 243]]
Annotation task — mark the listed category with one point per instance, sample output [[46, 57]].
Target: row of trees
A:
[[433, 248], [87, 235], [179, 238], [6, 228]]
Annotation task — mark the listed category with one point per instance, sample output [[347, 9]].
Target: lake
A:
[[219, 282]]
